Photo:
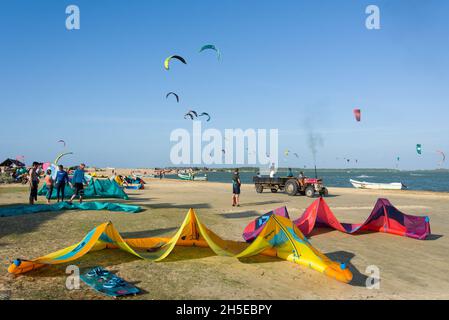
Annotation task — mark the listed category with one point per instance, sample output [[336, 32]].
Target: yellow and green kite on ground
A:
[[279, 238]]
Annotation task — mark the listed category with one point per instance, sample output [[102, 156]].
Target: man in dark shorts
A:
[[34, 182], [78, 182], [236, 188]]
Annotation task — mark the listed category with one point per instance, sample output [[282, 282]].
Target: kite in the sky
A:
[[167, 61], [443, 156], [211, 47], [205, 114], [357, 114], [62, 141], [62, 155], [194, 113], [191, 114], [296, 155], [188, 114], [174, 94], [419, 148]]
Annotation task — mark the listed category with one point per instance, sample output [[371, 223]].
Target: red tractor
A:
[[291, 185]]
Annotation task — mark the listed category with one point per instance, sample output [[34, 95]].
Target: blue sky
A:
[[298, 66]]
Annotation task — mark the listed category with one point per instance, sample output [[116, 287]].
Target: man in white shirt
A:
[[272, 171]]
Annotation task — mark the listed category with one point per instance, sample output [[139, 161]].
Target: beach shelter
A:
[[12, 163], [96, 188], [383, 218], [278, 238]]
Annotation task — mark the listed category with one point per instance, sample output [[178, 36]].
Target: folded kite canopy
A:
[[97, 188], [383, 218], [14, 211], [279, 237]]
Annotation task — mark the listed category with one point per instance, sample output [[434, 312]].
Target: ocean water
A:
[[437, 180]]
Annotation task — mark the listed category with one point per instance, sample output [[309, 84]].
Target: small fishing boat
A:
[[192, 177], [377, 186]]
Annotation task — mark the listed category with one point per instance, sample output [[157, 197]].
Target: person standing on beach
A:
[[301, 178], [62, 178], [49, 184], [33, 179], [236, 183], [78, 182]]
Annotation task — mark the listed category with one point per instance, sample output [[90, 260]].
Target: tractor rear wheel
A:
[[291, 187], [310, 191]]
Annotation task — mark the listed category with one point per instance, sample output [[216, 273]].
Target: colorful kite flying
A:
[[167, 61], [211, 47], [357, 114], [419, 148], [443, 157], [205, 114], [61, 155], [174, 94]]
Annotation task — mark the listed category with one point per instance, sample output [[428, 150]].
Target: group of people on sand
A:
[[57, 182], [127, 181], [78, 181]]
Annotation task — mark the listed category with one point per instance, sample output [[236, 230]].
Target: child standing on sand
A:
[[49, 182]]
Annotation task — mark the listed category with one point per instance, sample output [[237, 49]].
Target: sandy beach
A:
[[409, 268]]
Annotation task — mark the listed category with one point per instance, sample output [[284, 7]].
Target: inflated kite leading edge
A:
[[279, 238]]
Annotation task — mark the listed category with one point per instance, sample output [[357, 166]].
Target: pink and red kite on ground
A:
[[383, 218]]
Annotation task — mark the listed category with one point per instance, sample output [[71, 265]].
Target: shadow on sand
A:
[[260, 203], [358, 279], [148, 233], [24, 224], [177, 206], [238, 215]]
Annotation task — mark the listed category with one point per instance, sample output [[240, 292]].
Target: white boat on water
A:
[[377, 186], [192, 177]]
